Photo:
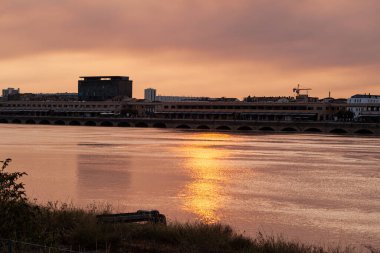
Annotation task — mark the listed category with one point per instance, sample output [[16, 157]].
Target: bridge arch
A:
[[74, 123], [363, 131], [3, 121], [203, 127], [244, 128], [266, 129], [106, 123], [183, 126], [159, 125], [289, 129], [338, 131], [123, 124], [141, 124], [29, 121], [16, 121], [225, 128], [313, 130], [90, 123], [59, 122], [44, 122]]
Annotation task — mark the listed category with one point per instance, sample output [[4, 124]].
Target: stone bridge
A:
[[214, 125]]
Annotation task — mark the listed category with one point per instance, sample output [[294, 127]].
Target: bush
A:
[[17, 216], [10, 189]]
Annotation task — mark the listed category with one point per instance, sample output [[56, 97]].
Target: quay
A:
[[210, 125]]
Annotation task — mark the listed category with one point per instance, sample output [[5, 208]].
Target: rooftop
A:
[[105, 77], [365, 96]]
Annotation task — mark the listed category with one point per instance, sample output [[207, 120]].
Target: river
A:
[[323, 189]]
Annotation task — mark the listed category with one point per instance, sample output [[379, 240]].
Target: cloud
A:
[[214, 48], [292, 33]]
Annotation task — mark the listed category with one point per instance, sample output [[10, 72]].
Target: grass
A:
[[64, 226]]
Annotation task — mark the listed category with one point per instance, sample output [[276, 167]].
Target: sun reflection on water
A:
[[203, 196]]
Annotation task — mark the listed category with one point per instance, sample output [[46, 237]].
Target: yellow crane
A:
[[298, 90]]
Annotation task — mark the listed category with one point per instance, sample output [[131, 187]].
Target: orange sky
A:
[[193, 47]]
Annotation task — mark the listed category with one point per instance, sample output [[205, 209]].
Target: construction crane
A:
[[298, 90]]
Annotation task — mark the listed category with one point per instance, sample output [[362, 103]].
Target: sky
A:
[[216, 48]]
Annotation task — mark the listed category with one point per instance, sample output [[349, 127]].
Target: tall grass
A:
[[64, 225]]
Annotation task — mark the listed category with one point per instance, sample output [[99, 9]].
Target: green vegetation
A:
[[64, 226]]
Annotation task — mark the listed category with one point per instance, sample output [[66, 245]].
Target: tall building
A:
[[100, 88], [150, 94]]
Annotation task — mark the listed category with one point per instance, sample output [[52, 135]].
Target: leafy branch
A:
[[10, 189]]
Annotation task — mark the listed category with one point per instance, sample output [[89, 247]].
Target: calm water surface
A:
[[323, 189]]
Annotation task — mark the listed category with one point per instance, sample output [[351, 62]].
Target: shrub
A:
[[10, 189], [15, 212]]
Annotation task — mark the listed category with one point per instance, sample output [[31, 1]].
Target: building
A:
[[150, 94], [101, 88], [192, 99], [179, 98], [365, 107], [251, 111], [268, 99], [197, 110], [10, 92], [63, 108], [48, 97]]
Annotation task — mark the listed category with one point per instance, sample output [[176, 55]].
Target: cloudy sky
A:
[[193, 47]]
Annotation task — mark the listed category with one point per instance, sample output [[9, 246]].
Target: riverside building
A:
[[100, 88], [201, 110], [365, 107], [251, 111]]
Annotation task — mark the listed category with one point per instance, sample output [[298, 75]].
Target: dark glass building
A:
[[100, 88]]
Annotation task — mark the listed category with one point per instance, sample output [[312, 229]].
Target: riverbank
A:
[[66, 227]]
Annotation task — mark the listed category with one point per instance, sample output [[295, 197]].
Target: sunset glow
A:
[[196, 48], [190, 126]]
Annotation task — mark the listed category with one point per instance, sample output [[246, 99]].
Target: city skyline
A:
[[193, 48]]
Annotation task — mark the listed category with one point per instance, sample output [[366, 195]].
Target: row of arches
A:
[[76, 123], [181, 126], [286, 129]]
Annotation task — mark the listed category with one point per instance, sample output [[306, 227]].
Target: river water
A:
[[322, 189]]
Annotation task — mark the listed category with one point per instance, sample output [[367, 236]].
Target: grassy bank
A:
[[76, 229]]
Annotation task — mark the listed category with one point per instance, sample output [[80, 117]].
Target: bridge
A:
[[212, 125]]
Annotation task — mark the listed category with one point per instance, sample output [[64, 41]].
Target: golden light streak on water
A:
[[203, 195]]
